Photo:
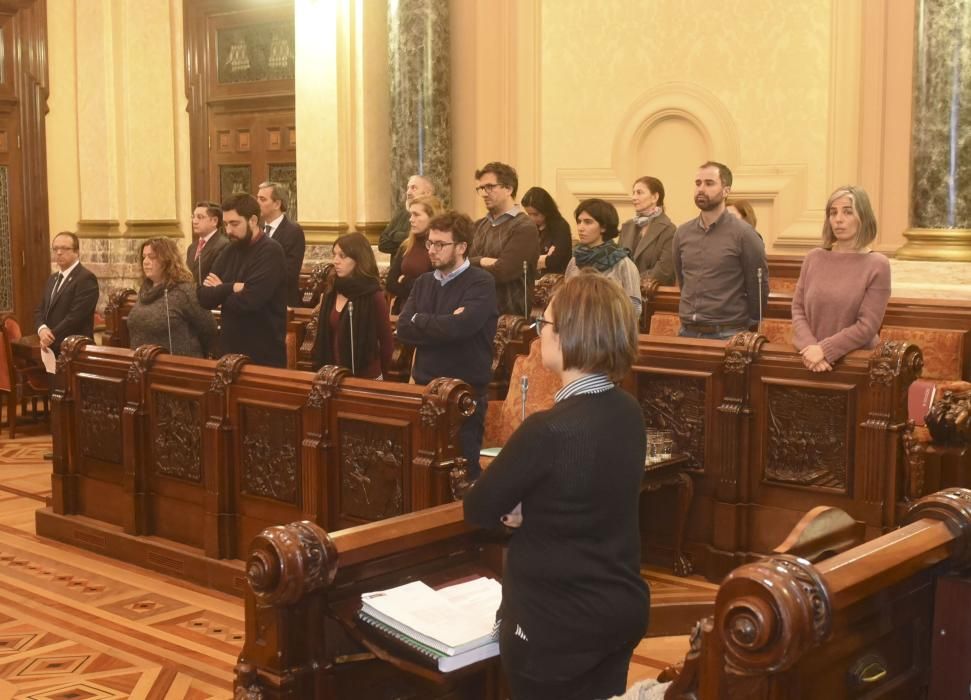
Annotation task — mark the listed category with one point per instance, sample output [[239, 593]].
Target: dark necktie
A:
[[57, 285], [266, 229]]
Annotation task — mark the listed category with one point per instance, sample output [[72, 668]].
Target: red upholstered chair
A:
[[18, 382]]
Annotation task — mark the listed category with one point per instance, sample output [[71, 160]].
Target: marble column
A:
[[418, 54], [941, 135]]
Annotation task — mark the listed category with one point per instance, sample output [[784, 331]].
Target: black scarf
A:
[[151, 292], [601, 258], [359, 290]]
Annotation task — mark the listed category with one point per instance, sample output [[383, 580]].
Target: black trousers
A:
[[470, 434], [530, 676]]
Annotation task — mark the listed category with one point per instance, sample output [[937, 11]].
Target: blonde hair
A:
[[867, 231], [596, 323], [432, 206]]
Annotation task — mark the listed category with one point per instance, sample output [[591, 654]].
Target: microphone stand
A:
[[524, 388], [168, 317], [525, 290], [350, 314], [759, 327]]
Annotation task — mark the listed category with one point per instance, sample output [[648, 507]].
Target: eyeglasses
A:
[[437, 245], [487, 188], [62, 248], [539, 322]]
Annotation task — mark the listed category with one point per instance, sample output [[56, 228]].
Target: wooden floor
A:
[[78, 626]]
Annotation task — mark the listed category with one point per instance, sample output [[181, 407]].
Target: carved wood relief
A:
[[807, 437], [269, 453], [100, 418], [178, 437], [677, 404], [371, 469]]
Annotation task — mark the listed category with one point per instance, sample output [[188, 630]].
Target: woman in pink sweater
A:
[[843, 287]]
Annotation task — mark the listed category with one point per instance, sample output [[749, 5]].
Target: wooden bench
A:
[[858, 624], [176, 463], [304, 589]]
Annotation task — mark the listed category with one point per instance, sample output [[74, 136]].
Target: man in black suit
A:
[[207, 221], [70, 296], [274, 200]]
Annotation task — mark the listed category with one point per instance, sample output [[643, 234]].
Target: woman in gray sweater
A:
[[167, 312]]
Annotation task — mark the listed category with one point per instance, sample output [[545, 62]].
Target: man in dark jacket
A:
[[451, 317], [248, 282], [70, 295], [209, 241], [274, 201]]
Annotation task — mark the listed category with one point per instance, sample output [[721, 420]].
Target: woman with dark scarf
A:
[[649, 235], [412, 261], [167, 312], [555, 240], [353, 327], [597, 223]]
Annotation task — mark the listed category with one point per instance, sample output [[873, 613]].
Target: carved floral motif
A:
[[807, 440], [372, 473], [178, 437], [100, 419], [269, 454], [227, 369]]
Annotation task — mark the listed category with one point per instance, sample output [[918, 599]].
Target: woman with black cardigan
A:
[[574, 605], [555, 240], [353, 326]]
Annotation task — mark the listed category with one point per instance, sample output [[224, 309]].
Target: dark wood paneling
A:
[[23, 153]]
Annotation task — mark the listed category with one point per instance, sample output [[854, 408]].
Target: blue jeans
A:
[[720, 335]]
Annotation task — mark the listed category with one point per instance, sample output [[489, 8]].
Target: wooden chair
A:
[[17, 381]]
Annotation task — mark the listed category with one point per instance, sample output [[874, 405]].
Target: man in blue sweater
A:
[[451, 318]]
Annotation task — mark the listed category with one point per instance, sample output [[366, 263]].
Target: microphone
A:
[[524, 388], [759, 326], [350, 315], [168, 317], [525, 289]]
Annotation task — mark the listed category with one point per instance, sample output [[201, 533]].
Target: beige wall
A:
[[789, 95], [117, 130]]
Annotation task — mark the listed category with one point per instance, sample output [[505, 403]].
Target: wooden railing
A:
[[858, 624], [202, 454]]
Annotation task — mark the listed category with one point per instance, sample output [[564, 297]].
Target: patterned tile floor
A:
[[77, 626]]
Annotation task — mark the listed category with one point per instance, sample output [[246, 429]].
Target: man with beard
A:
[[450, 317], [719, 262], [248, 281]]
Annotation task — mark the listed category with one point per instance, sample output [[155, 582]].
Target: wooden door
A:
[[25, 260], [240, 64], [253, 147]]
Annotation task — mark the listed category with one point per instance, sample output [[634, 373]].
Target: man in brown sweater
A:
[[505, 238]]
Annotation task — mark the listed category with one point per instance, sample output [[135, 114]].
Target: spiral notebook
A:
[[426, 655], [451, 620]]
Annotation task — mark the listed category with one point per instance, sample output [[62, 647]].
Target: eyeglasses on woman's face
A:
[[539, 323], [437, 245]]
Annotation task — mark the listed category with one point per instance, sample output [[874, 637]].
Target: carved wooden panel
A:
[[234, 179], [371, 469], [255, 53], [269, 453], [286, 175], [807, 437], [677, 404], [100, 404], [178, 437], [242, 140]]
